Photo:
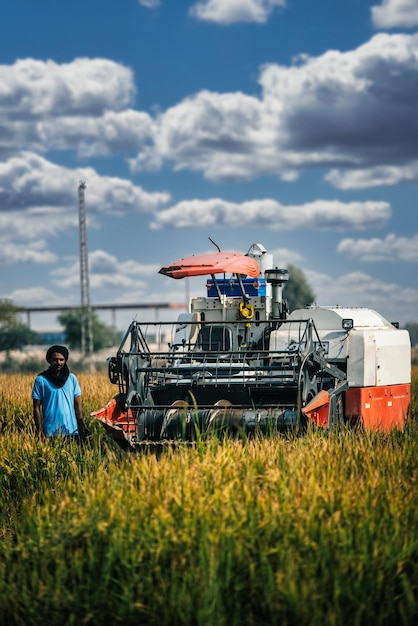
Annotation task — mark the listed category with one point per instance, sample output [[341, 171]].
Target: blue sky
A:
[[290, 123]]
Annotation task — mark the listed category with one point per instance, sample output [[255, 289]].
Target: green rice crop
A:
[[314, 530]]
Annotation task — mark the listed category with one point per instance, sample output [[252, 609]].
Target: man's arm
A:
[[82, 430], [37, 416]]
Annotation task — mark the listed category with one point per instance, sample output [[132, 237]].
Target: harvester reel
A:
[[219, 416], [178, 421]]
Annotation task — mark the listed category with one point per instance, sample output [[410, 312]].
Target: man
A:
[[56, 396]]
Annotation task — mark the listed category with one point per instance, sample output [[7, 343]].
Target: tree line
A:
[[15, 335]]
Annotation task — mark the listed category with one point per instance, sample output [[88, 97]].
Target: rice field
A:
[[320, 529]]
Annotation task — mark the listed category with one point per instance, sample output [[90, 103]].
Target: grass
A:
[[314, 530]]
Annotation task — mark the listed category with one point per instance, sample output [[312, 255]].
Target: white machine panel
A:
[[378, 358], [377, 354]]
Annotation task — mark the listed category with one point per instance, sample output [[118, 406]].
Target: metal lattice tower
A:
[[86, 315]]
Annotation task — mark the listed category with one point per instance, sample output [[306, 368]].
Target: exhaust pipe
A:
[[277, 278]]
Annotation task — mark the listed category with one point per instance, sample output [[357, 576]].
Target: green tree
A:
[[297, 291], [412, 328], [104, 336], [14, 335]]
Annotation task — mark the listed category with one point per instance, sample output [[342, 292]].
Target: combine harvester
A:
[[237, 361]]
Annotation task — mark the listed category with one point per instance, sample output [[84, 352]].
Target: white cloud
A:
[[218, 134], [359, 289], [395, 13], [39, 202], [35, 252], [391, 248], [105, 270], [84, 86], [34, 90], [378, 176], [320, 214], [82, 105], [282, 257], [351, 109], [231, 11], [35, 296], [149, 4], [22, 226], [40, 198], [113, 131]]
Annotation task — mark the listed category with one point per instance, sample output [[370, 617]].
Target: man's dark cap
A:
[[60, 349]]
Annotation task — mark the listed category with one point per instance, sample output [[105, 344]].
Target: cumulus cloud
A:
[[231, 11], [283, 256], [395, 13], [35, 296], [320, 214], [29, 182], [114, 131], [35, 252], [84, 86], [218, 134], [351, 110], [379, 176], [362, 289], [391, 248], [344, 111], [149, 4], [24, 226], [349, 104], [83, 105], [39, 201], [105, 270]]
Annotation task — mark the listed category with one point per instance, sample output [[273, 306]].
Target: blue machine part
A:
[[230, 287]]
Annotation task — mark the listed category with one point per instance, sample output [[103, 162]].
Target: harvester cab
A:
[[238, 361]]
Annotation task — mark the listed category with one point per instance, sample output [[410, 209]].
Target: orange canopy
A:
[[212, 263]]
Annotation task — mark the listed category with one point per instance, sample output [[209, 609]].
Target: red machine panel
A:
[[378, 407]]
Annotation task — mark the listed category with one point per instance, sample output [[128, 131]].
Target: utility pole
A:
[[86, 317]]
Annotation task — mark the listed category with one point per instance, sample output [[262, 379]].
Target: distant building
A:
[[51, 338]]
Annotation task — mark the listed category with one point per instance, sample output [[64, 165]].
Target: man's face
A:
[[57, 361]]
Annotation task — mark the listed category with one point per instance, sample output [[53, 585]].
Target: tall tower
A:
[[86, 318]]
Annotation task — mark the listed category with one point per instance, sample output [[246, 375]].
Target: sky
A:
[[290, 123]]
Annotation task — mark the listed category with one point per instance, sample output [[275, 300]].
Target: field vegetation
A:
[[320, 529]]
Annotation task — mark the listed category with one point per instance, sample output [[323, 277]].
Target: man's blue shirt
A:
[[57, 405]]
